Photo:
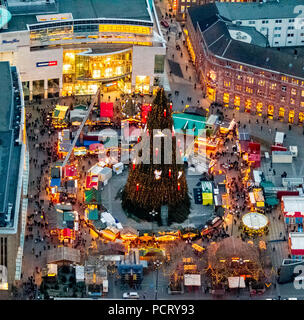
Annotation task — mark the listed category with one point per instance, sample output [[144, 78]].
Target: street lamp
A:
[[153, 213], [157, 264]]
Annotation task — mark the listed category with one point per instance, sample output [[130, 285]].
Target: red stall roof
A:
[[96, 146], [106, 109], [70, 171], [146, 108], [92, 182]]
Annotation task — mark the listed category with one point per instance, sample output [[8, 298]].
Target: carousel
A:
[[255, 223]]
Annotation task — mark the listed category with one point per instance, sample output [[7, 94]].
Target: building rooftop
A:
[[248, 34], [80, 9], [273, 9], [218, 39], [293, 203], [297, 240], [9, 151]]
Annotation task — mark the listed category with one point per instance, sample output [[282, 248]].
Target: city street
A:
[[181, 81]]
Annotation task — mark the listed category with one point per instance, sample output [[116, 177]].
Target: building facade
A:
[[14, 168], [237, 64], [63, 49]]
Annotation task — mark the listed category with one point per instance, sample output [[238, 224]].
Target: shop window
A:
[[259, 108], [226, 83], [190, 48], [294, 81], [301, 117], [226, 99], [237, 102], [124, 29], [270, 110], [238, 87], [292, 101], [272, 86], [103, 67], [281, 114], [302, 93], [302, 103], [282, 99], [38, 88], [261, 83], [159, 63], [211, 93], [291, 116], [293, 91], [142, 84], [248, 104], [53, 88]]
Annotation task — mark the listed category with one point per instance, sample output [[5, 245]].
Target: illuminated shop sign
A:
[[10, 41], [46, 64]]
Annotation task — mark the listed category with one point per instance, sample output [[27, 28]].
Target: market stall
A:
[[257, 198], [60, 116], [128, 234]]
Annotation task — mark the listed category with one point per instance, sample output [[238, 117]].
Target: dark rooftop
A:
[[9, 151], [272, 9], [87, 9]]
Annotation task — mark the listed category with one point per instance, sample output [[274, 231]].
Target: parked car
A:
[[164, 23], [130, 295]]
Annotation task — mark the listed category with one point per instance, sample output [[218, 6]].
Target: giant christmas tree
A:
[[152, 184]]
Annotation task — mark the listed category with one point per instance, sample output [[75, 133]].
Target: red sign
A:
[[146, 108], [46, 64], [106, 109]]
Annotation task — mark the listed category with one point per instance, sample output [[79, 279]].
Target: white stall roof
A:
[[279, 138], [79, 273], [293, 203], [118, 165], [236, 282], [297, 240], [107, 218], [257, 176], [192, 279], [97, 168]]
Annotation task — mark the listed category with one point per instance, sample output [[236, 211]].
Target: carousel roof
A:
[[255, 220]]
